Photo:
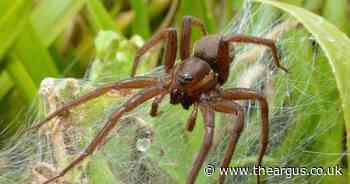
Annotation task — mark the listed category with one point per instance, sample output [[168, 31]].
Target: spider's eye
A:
[[187, 77], [184, 79]]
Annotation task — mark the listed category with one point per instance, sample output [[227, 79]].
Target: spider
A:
[[195, 81]]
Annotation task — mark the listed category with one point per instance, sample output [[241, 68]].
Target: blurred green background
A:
[[55, 38]]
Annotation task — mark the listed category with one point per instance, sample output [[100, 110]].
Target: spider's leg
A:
[[155, 104], [208, 116], [260, 41], [224, 60], [227, 106], [128, 106], [191, 122], [171, 49], [185, 44], [137, 82], [248, 94]]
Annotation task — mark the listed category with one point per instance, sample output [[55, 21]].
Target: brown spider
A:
[[196, 81]]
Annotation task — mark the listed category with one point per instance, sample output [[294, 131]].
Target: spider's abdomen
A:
[[207, 49]]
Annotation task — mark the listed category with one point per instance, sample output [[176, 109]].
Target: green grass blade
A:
[[47, 20], [336, 12], [34, 56], [99, 17], [229, 12], [187, 9], [140, 24], [6, 83], [294, 2], [208, 16], [335, 45], [11, 21], [21, 79], [314, 5], [7, 5], [50, 17]]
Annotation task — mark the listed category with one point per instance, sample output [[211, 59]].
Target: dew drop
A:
[[120, 56], [143, 144], [331, 40]]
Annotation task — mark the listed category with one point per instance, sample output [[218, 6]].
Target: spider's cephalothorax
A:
[[192, 78], [191, 82]]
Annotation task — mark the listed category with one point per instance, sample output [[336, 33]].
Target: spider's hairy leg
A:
[[249, 94], [187, 23], [260, 41], [224, 61], [128, 106], [137, 82], [208, 116], [170, 53], [191, 122], [155, 104], [228, 106]]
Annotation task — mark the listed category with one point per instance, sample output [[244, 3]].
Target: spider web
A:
[[306, 125]]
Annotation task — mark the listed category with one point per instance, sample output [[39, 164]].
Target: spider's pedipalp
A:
[[191, 122], [155, 104]]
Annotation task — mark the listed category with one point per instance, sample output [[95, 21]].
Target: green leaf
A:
[[336, 12], [51, 17], [21, 79], [99, 17], [11, 21], [34, 56], [140, 24], [335, 45], [6, 83], [186, 9], [99, 171], [313, 5], [105, 42], [114, 55], [311, 77], [208, 16], [47, 20]]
